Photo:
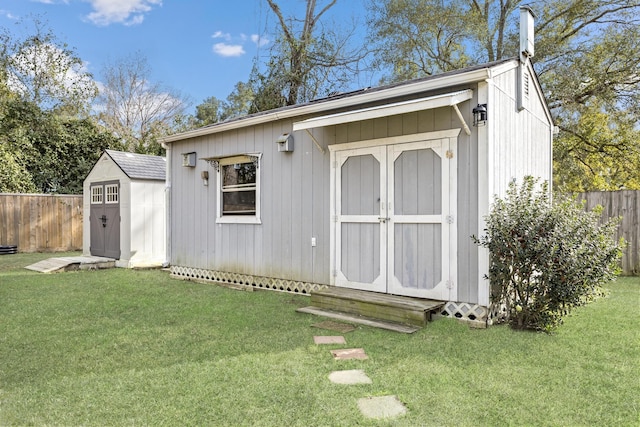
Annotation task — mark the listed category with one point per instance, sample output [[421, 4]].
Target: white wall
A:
[[148, 234]]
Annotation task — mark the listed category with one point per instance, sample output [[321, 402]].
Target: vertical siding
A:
[[148, 232], [294, 197], [521, 144]]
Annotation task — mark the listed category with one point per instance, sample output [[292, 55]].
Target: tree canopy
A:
[[48, 140], [41, 69], [587, 59], [136, 109]]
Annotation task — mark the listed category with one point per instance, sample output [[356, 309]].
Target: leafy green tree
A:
[[43, 70], [208, 112], [14, 178], [48, 152], [594, 151], [239, 102], [587, 58]]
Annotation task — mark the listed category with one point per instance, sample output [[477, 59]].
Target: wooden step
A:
[[392, 308], [354, 318]]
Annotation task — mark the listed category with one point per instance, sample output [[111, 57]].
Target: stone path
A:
[[378, 407]]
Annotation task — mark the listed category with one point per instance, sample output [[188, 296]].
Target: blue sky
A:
[[201, 48]]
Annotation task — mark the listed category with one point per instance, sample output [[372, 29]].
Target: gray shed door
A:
[[105, 219], [395, 218]]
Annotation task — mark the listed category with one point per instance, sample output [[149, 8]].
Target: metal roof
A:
[[140, 166]]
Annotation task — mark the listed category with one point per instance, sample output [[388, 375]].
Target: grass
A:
[[121, 347]]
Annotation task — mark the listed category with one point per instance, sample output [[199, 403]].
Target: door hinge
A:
[[450, 284], [450, 219]]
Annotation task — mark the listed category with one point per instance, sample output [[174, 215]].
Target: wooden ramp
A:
[[402, 314], [54, 265]]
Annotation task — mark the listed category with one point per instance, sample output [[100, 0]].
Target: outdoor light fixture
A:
[[285, 142], [480, 115], [205, 177]]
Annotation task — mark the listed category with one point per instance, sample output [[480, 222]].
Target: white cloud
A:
[[51, 1], [228, 50], [231, 49], [259, 41], [126, 12], [221, 35], [8, 14]]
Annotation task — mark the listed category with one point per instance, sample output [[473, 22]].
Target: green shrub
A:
[[546, 257]]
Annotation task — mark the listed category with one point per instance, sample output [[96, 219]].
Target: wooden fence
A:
[[624, 203], [41, 223]]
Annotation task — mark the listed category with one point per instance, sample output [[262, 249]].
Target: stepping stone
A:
[[350, 353], [381, 407], [355, 376], [329, 340], [334, 326]]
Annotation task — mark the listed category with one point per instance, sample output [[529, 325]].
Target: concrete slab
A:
[[329, 340], [381, 407], [354, 376], [349, 353]]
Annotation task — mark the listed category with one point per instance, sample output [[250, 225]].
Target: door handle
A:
[[103, 218]]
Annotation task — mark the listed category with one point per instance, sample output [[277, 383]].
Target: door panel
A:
[[395, 228], [105, 219], [419, 187], [417, 256], [360, 254]]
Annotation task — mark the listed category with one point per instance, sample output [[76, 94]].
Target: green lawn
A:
[[121, 347]]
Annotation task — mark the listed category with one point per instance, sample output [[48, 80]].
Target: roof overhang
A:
[[428, 103], [375, 95]]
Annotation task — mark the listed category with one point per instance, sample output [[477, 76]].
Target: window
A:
[[96, 195], [112, 193], [239, 189]]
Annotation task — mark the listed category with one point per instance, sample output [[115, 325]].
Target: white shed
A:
[[124, 209]]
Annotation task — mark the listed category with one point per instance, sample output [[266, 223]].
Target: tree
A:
[[208, 112], [48, 141], [134, 108], [587, 58], [43, 70], [239, 102], [307, 60], [45, 151]]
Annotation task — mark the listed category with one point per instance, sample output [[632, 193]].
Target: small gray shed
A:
[[124, 209]]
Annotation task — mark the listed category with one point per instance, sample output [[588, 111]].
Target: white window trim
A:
[[238, 219], [97, 195], [116, 194]]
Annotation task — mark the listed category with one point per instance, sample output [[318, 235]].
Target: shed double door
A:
[[105, 219], [395, 219]]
